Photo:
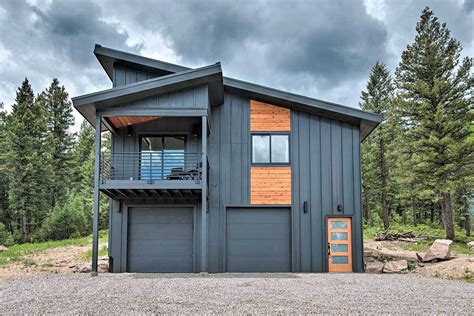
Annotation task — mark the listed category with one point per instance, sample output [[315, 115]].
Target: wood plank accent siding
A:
[[269, 118], [270, 185], [121, 121]]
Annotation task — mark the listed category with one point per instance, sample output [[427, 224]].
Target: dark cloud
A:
[[46, 40], [322, 48]]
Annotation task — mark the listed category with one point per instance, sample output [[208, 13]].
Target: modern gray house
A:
[[208, 173]]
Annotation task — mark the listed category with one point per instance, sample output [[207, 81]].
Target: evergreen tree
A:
[[25, 165], [433, 89], [83, 149], [59, 139], [377, 99], [5, 216]]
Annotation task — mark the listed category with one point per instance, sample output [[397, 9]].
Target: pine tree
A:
[[5, 216], [377, 99], [26, 168], [433, 89], [59, 139], [83, 149]]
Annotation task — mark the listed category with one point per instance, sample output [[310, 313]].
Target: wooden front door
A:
[[339, 244]]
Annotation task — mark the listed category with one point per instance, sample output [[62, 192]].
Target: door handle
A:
[[329, 249]]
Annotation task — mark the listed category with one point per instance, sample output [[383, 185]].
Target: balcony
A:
[[153, 174]]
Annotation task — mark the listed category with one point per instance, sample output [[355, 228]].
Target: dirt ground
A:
[[60, 260], [460, 267]]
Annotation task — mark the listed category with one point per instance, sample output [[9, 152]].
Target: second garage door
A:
[[258, 240], [160, 239]]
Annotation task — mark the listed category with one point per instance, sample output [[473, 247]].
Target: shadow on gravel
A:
[[212, 275]]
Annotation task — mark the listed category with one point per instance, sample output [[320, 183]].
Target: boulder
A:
[[374, 267], [471, 246], [395, 266], [103, 268], [84, 269], [3, 248], [439, 250]]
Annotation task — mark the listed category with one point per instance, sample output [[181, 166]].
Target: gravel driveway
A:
[[236, 293]]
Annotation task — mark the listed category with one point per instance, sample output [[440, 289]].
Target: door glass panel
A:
[[339, 224], [338, 236], [340, 259], [339, 248]]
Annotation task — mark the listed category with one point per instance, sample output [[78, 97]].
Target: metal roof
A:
[[367, 120]]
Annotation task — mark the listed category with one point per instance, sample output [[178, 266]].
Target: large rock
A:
[[439, 250], [471, 246], [374, 267], [395, 266], [3, 248]]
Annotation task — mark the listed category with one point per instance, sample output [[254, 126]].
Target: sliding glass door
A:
[[161, 156]]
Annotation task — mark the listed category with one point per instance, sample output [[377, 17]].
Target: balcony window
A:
[[161, 155], [270, 149]]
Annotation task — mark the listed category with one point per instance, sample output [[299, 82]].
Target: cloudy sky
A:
[[320, 48]]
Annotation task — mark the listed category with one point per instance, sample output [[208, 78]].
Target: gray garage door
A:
[[258, 240], [160, 240]]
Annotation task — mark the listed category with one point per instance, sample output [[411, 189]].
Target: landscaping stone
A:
[[374, 267], [3, 248], [395, 266], [103, 268], [439, 250], [471, 246]]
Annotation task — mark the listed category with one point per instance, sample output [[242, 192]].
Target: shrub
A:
[[6, 237], [66, 221]]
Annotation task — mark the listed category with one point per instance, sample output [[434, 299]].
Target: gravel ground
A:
[[236, 293]]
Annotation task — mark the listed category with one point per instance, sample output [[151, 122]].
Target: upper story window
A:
[[271, 148]]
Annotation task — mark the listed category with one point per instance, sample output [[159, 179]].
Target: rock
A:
[[3, 248], [439, 250], [103, 268], [395, 266], [374, 267], [84, 269], [471, 246]]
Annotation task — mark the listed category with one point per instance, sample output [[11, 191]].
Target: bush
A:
[[6, 238], [66, 221]]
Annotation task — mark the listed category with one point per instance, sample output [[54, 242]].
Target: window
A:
[[270, 149], [159, 155]]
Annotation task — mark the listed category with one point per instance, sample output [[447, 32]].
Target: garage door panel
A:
[[263, 248], [164, 248], [258, 240], [161, 231], [258, 230], [160, 239], [256, 264], [155, 264]]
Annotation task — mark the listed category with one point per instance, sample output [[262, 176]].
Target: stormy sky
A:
[[320, 48]]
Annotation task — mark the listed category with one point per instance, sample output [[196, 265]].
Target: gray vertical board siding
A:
[[124, 75], [229, 159], [326, 173]]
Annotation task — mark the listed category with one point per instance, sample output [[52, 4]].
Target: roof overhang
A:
[[368, 121], [211, 76]]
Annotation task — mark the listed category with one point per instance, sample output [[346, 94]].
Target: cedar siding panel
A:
[[269, 118], [270, 185]]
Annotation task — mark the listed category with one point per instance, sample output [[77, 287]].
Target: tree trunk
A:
[[383, 179], [413, 204], [432, 214], [447, 212], [467, 224]]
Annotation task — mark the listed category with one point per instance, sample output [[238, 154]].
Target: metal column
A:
[[204, 196], [95, 223]]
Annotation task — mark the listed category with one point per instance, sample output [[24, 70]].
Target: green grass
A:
[[16, 252], [87, 256], [458, 246]]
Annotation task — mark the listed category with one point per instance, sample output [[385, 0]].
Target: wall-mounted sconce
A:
[[196, 130], [129, 130], [305, 207], [340, 208]]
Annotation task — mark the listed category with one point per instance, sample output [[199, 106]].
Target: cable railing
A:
[[151, 166]]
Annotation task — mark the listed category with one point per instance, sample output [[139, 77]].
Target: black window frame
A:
[[270, 134]]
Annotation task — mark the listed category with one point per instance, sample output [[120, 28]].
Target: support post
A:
[[204, 196], [95, 222]]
